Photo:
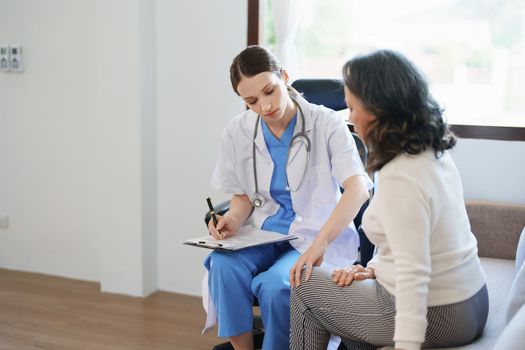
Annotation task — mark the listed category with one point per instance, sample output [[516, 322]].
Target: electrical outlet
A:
[[4, 58], [15, 59], [4, 221]]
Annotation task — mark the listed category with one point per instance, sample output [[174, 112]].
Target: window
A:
[[472, 51]]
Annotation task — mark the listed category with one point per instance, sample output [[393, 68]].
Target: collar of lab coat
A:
[[259, 139]]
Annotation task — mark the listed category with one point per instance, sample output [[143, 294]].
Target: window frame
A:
[[507, 133]]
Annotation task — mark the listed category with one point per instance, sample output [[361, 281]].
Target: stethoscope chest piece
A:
[[257, 202]]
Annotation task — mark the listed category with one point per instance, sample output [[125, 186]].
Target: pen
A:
[[212, 212]]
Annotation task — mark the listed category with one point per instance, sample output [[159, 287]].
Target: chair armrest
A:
[[497, 227]]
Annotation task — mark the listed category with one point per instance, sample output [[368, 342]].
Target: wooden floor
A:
[[44, 312]]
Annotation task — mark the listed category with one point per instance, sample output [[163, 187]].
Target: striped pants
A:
[[363, 315]]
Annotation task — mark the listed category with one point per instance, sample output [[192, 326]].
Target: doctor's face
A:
[[359, 116], [266, 95]]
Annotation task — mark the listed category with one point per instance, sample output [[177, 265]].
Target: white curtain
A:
[[286, 14]]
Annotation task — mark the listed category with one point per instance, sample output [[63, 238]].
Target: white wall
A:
[[196, 41], [148, 112], [491, 170], [48, 144], [71, 142], [82, 153]]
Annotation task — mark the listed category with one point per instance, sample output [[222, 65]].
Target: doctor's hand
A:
[[344, 277], [226, 226], [312, 257]]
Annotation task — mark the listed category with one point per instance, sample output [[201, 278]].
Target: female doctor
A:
[[283, 161]]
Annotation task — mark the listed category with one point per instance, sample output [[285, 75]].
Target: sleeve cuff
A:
[[408, 345]]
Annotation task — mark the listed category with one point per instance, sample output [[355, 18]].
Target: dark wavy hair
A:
[[408, 118], [253, 60]]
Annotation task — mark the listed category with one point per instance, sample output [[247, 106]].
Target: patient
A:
[[425, 287]]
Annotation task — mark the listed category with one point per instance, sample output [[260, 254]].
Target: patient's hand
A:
[[344, 277]]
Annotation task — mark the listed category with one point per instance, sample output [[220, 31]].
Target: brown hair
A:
[[408, 119], [253, 60]]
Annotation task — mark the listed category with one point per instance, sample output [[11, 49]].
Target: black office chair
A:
[[330, 93]]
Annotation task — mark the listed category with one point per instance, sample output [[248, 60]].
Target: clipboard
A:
[[248, 236]]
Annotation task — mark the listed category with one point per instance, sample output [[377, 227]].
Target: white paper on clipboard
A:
[[248, 236]]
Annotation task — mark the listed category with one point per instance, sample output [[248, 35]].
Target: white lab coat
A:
[[333, 159]]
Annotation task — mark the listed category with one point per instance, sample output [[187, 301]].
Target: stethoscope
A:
[[257, 199]]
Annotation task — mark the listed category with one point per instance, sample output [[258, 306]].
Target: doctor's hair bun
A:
[[251, 61]]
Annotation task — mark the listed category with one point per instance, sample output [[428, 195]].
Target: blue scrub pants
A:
[[262, 272]]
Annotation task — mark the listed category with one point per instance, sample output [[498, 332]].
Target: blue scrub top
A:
[[278, 148]]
